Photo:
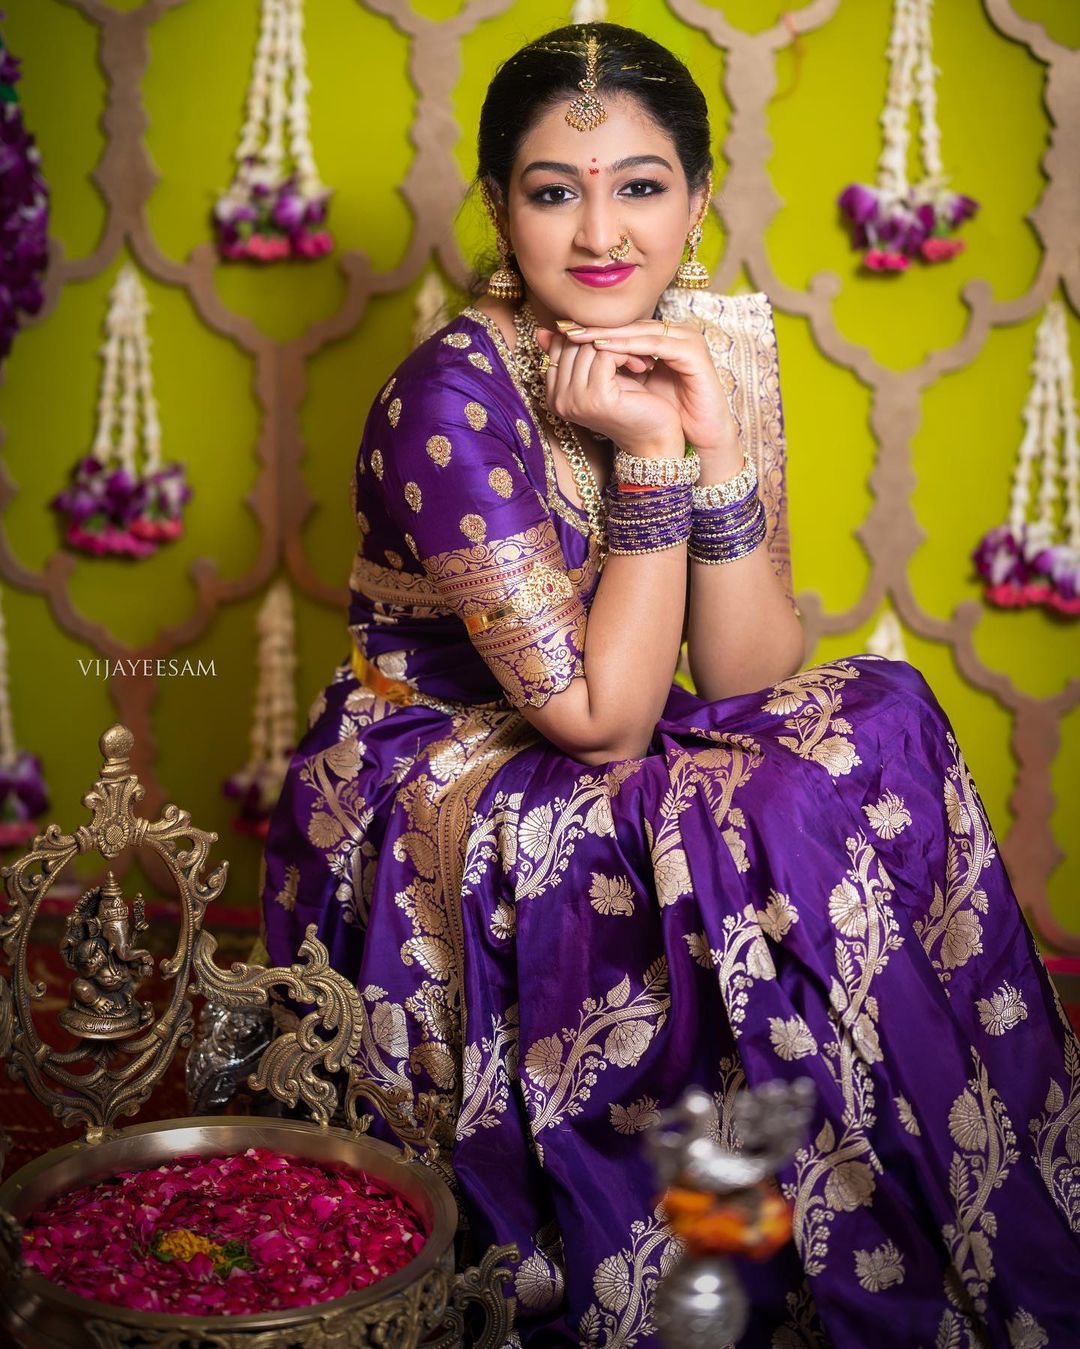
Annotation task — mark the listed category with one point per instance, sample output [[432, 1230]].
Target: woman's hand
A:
[[605, 392], [683, 375]]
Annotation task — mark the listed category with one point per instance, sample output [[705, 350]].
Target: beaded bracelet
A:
[[715, 494], [647, 522], [726, 533], [663, 472]]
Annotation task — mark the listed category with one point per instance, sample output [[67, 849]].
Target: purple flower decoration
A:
[[23, 212], [914, 227], [109, 510], [1021, 571], [272, 224], [23, 793]]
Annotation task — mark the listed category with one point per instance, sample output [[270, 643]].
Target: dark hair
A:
[[548, 70]]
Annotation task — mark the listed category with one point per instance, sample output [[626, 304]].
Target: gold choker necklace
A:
[[528, 359]]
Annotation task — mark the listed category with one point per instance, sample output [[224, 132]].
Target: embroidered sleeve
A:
[[452, 481]]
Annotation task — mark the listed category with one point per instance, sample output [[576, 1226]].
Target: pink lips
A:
[[602, 276]]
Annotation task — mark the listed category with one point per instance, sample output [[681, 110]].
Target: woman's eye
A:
[[643, 187], [553, 195]]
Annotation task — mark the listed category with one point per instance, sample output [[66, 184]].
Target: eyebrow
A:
[[633, 162]]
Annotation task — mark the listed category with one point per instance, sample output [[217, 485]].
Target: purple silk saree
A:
[[796, 881]]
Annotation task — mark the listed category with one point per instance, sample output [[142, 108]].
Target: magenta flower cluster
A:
[[24, 212], [892, 234], [23, 795], [1021, 571], [109, 510], [270, 224], [311, 1233]]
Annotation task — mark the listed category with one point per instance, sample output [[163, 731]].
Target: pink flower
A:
[[250, 1232], [879, 260], [1007, 594], [312, 245], [267, 248], [937, 249]]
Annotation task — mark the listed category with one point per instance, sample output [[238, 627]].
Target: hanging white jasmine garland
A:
[[432, 304], [276, 207], [23, 794], [119, 501], [1035, 557], [273, 725], [896, 220]]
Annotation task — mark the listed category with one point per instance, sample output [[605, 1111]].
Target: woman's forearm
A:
[[631, 650], [743, 633]]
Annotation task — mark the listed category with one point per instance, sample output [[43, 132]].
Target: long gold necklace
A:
[[528, 358]]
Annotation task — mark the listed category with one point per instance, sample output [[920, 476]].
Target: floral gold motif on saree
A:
[[811, 703], [624, 1283], [476, 415], [986, 1151], [615, 1029], [836, 1172], [439, 803], [1055, 1133], [440, 450], [952, 933]]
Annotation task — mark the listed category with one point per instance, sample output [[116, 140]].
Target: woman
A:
[[566, 889]]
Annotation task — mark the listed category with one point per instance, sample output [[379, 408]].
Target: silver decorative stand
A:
[[701, 1302]]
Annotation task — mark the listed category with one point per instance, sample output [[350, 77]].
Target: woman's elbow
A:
[[606, 754]]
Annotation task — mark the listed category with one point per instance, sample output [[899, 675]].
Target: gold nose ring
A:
[[620, 250]]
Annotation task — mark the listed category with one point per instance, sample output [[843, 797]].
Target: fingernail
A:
[[564, 325], [600, 341], [573, 332]]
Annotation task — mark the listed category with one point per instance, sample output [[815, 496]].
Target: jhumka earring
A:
[[587, 112], [620, 250], [691, 274], [504, 283]]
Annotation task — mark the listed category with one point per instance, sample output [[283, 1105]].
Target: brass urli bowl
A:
[[395, 1311]]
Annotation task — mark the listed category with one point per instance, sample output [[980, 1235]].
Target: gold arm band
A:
[[487, 618], [394, 690]]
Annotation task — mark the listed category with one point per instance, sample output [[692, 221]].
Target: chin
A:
[[612, 308]]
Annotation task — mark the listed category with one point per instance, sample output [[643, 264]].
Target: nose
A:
[[598, 226]]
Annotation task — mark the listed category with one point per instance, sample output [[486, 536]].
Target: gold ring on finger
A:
[[553, 365], [667, 326]]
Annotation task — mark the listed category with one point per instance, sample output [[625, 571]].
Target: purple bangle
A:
[[647, 522], [727, 533]]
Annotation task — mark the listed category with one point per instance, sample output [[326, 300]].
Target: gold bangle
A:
[[713, 495], [664, 471]]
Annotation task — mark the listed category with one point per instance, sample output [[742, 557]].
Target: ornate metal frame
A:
[[312, 1063]]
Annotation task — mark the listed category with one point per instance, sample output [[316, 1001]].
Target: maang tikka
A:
[[587, 112], [504, 283]]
